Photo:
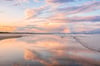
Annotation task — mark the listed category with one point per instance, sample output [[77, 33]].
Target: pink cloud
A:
[[59, 1], [29, 13], [85, 8], [34, 12], [18, 0], [56, 1]]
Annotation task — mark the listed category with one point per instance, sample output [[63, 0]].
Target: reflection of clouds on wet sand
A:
[[56, 51], [49, 50], [37, 56], [10, 52]]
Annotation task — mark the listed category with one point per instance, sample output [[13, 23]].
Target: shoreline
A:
[[10, 36]]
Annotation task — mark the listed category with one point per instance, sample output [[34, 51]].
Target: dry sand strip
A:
[[2, 36]]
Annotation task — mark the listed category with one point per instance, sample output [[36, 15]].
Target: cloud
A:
[[61, 14], [79, 19], [18, 2], [29, 28], [8, 0], [48, 1], [59, 1], [29, 13], [56, 1], [7, 28], [92, 6], [86, 18], [21, 1], [45, 28], [34, 12], [60, 18], [53, 18]]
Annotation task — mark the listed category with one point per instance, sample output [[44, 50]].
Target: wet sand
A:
[[48, 50]]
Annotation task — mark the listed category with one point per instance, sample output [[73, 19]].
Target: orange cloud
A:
[[7, 28], [50, 25], [30, 13], [66, 30]]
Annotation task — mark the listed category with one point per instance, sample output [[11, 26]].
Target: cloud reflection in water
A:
[[46, 50]]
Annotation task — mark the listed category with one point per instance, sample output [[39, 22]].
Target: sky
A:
[[63, 16]]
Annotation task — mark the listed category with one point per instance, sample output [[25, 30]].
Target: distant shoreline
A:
[[41, 33], [9, 36]]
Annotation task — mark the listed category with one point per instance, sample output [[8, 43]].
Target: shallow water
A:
[[50, 50]]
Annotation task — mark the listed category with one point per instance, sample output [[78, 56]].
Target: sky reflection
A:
[[46, 50]]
